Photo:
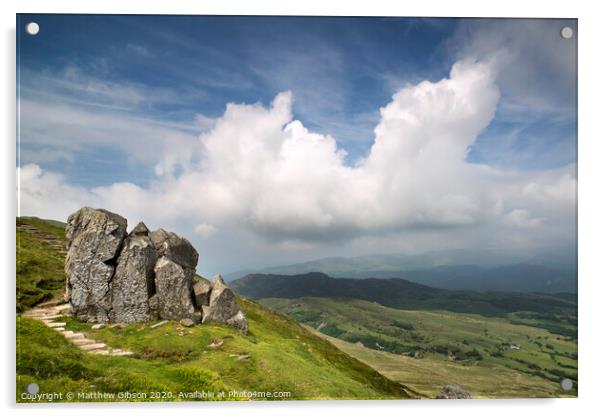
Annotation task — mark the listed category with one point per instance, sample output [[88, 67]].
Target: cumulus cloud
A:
[[48, 194], [205, 230], [531, 55], [261, 170]]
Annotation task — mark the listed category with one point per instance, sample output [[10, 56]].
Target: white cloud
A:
[[531, 57], [47, 194], [263, 171], [205, 230], [522, 218]]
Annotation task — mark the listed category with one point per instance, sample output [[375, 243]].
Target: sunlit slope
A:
[[40, 260], [277, 356]]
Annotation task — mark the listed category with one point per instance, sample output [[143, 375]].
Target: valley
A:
[[489, 356]]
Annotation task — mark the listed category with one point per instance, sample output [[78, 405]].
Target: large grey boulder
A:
[[173, 285], [174, 247], [202, 291], [134, 279], [94, 238], [143, 276], [223, 307], [453, 392]]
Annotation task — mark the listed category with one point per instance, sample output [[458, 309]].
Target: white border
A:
[[590, 208]]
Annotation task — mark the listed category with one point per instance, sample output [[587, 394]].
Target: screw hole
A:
[[566, 32], [32, 28]]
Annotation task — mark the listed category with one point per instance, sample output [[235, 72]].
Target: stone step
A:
[[51, 312], [46, 316], [54, 324], [93, 346], [81, 341], [34, 314], [72, 335], [100, 352], [52, 304]]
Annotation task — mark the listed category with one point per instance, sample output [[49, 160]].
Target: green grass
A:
[[48, 359], [431, 373], [40, 268], [284, 356], [481, 346]]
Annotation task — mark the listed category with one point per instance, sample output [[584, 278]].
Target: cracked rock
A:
[[144, 276], [95, 239]]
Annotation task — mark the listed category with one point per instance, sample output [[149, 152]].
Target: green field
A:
[[490, 357], [277, 356]]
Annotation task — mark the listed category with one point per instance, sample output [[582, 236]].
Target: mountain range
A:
[[549, 272], [400, 293]]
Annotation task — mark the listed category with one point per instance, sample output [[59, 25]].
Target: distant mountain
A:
[[490, 271], [399, 293], [519, 277], [367, 265]]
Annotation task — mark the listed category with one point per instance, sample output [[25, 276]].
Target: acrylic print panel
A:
[[295, 208]]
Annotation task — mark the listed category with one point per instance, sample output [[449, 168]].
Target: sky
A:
[[273, 140]]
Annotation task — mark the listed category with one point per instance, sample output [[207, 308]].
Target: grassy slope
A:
[[430, 374], [40, 273], [536, 368], [284, 356]]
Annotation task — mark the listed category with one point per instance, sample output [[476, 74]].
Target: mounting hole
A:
[[566, 32], [33, 388], [566, 384], [32, 28]]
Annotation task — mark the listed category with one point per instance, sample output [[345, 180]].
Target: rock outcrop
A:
[[117, 277], [95, 240], [174, 299], [175, 248], [202, 291], [133, 283], [453, 392], [223, 307]]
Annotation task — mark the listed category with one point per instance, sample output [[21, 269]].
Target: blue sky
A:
[[341, 70], [106, 98]]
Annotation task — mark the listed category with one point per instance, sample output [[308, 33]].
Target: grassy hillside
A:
[[429, 374], [428, 349], [399, 293], [278, 355], [40, 264]]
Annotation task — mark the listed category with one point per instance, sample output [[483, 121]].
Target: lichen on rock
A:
[[223, 307], [120, 278], [95, 238]]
